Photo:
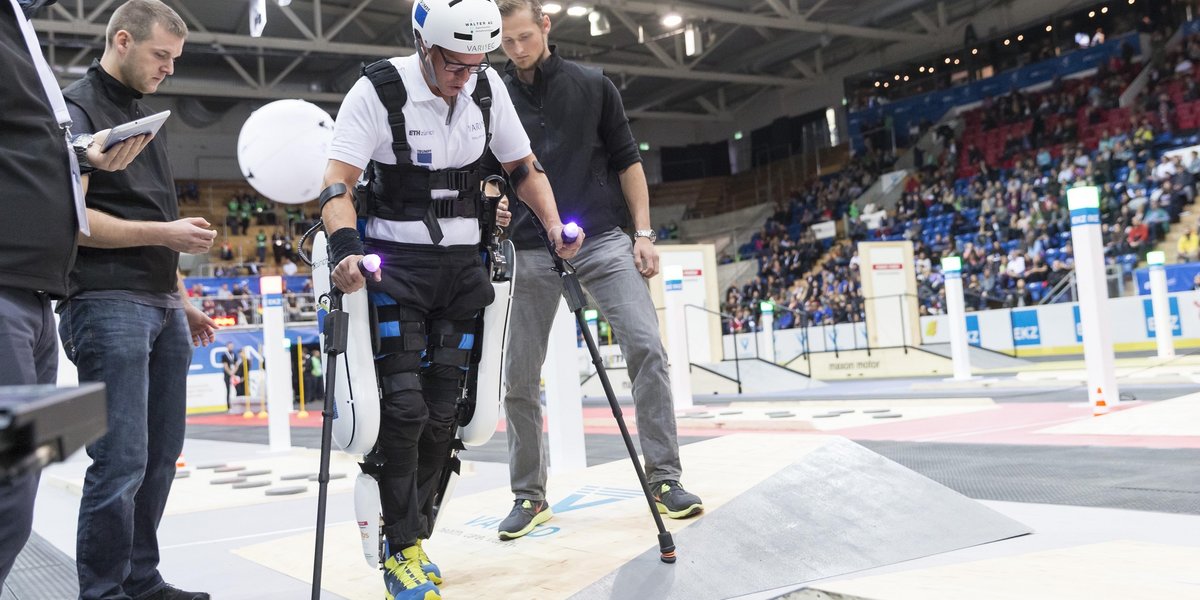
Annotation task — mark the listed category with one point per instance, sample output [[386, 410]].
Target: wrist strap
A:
[[344, 242]]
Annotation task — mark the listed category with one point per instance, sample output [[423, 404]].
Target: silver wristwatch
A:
[[649, 234]]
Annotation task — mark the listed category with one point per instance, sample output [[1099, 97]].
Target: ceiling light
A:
[[1104, 10], [1007, 42], [877, 84], [283, 3], [956, 61], [599, 23], [693, 40], [974, 51], [1021, 38], [672, 20], [577, 10], [922, 69], [1091, 14], [551, 8], [897, 78], [930, 69], [737, 135], [885, 84], [258, 17], [906, 77], [1131, 1], [1049, 28], [947, 60]]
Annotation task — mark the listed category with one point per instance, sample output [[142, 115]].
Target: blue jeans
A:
[[142, 354]]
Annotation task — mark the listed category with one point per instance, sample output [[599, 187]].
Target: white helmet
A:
[[464, 26]]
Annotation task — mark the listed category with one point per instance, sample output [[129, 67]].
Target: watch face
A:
[[82, 141]]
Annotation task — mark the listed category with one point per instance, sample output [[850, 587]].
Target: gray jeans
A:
[[605, 267], [28, 356]]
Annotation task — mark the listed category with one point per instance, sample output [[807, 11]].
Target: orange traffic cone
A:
[[1099, 407]]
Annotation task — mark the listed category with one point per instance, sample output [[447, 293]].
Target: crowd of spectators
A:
[[1001, 203], [236, 304], [787, 250]]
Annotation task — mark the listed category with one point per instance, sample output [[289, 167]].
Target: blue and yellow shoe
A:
[[431, 570], [674, 501], [404, 578]]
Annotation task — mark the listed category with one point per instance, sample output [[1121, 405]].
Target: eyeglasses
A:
[[457, 67]]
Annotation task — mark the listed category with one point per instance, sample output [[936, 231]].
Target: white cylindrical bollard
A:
[[766, 333], [1084, 204], [278, 365], [677, 345], [956, 311], [564, 397], [1164, 329]]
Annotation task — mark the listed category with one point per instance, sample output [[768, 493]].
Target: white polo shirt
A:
[[437, 139]]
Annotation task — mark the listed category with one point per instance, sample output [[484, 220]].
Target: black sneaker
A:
[[170, 592], [525, 515], [674, 501]]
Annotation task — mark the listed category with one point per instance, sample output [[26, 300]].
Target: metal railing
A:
[[1066, 290], [737, 365], [830, 343]]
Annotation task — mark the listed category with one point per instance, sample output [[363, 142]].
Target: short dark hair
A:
[[509, 7], [138, 18]]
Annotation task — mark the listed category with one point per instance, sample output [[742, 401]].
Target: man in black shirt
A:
[[577, 125], [132, 298], [37, 234], [229, 367]]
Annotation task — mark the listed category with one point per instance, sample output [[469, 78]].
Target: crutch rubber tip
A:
[[666, 546]]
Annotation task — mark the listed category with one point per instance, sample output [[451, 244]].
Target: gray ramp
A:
[[839, 509], [41, 572], [980, 357]]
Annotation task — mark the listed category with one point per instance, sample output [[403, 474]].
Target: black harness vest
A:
[[402, 192]]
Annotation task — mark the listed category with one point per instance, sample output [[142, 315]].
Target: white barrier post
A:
[[277, 364], [1164, 332], [766, 333], [1084, 204], [564, 396], [956, 310], [677, 343]]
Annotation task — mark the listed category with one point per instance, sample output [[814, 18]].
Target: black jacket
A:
[[38, 225], [145, 191], [578, 130]]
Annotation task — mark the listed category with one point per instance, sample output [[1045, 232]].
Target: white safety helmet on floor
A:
[[465, 26]]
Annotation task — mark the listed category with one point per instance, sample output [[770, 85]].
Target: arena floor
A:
[[1113, 501]]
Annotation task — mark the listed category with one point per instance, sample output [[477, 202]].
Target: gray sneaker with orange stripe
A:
[[525, 515], [674, 501]]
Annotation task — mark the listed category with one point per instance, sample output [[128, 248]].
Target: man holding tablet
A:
[[124, 292]]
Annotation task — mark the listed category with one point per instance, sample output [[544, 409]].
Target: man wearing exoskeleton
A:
[[418, 125]]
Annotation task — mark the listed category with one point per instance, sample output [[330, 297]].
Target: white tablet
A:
[[142, 126]]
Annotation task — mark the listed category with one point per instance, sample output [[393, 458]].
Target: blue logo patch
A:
[[425, 157], [1148, 308], [420, 14], [1078, 324], [586, 497], [1025, 328], [973, 331], [596, 496]]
